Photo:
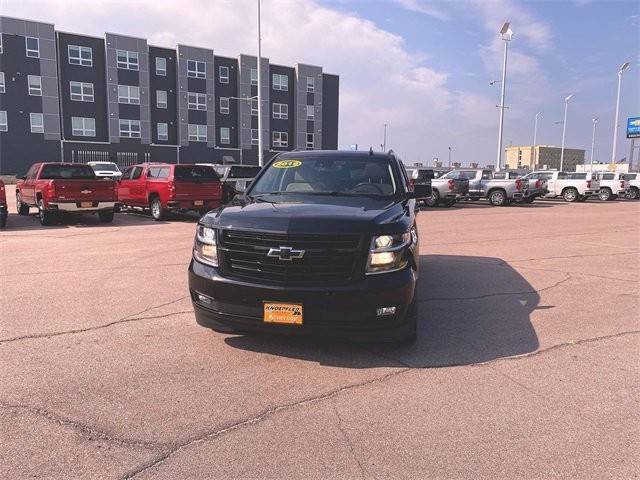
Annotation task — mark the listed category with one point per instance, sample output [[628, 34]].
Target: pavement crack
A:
[[347, 439], [499, 294], [133, 317], [256, 419], [86, 430]]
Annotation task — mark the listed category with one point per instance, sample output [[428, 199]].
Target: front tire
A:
[[106, 216], [498, 198], [433, 200], [22, 208], [46, 217], [604, 194], [570, 195], [634, 193], [157, 211]]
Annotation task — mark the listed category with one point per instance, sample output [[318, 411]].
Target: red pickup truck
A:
[[165, 187], [56, 188], [4, 212]]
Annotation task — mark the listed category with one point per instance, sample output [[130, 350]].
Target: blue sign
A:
[[633, 127]]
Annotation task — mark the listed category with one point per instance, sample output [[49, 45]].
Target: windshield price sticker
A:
[[287, 164]]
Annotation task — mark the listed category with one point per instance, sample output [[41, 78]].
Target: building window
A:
[[310, 141], [35, 85], [196, 69], [127, 60], [83, 127], [196, 101], [33, 47], [37, 123], [161, 98], [223, 74], [281, 111], [163, 131], [161, 66], [130, 128], [3, 87], [81, 91], [254, 136], [280, 82], [225, 135], [3, 121], [311, 84], [129, 94], [254, 106], [80, 55], [224, 105], [197, 133], [280, 139], [254, 76], [310, 112]]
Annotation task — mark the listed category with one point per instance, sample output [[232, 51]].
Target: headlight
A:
[[388, 253], [205, 247]]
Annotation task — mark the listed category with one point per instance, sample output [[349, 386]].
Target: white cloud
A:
[[423, 7]]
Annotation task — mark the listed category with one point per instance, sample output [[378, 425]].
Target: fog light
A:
[[384, 311], [204, 299]]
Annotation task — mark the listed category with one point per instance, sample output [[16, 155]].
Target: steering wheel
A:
[[368, 185]]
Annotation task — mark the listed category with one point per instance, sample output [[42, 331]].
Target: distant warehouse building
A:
[[543, 156], [81, 98]]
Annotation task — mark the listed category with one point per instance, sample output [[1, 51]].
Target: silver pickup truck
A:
[[634, 185], [482, 184], [613, 185], [535, 187], [447, 191]]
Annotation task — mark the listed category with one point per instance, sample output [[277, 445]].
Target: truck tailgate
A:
[[187, 190], [85, 190]]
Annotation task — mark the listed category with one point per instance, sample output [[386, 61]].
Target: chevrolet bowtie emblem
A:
[[85, 192], [286, 254]]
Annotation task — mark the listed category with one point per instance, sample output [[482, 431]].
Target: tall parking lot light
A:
[[564, 129], [593, 140], [260, 139], [535, 129], [506, 33], [623, 67]]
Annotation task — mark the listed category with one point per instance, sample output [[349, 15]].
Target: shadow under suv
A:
[[323, 242]]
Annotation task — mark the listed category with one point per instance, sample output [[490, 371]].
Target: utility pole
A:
[[450, 157], [593, 140], [506, 34], [623, 67], [260, 139], [564, 129]]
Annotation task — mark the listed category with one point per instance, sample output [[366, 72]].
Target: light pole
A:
[[260, 140], [450, 148], [623, 67], [535, 129], [384, 143], [506, 33], [593, 140], [564, 129]]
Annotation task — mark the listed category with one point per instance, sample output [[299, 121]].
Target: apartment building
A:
[[71, 97]]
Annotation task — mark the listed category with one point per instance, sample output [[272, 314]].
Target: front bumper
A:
[[347, 311], [76, 207]]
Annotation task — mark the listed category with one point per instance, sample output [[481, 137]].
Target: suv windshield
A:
[[328, 175], [195, 172], [108, 167], [243, 172], [58, 172]]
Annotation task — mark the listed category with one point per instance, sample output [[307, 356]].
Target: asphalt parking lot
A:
[[527, 363]]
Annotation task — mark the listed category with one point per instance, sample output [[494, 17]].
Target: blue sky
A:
[[421, 66]]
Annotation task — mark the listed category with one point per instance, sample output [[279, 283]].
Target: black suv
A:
[[323, 242]]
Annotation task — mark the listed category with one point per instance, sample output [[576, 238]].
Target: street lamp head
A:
[[624, 66], [539, 114], [594, 119], [569, 97], [506, 32]]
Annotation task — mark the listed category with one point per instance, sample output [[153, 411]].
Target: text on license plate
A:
[[198, 203], [86, 204], [287, 313]]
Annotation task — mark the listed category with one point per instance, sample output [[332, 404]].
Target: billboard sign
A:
[[633, 127]]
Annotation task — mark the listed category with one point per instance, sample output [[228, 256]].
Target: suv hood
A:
[[311, 215]]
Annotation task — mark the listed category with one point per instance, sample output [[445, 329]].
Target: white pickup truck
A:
[[634, 185], [612, 186], [572, 187]]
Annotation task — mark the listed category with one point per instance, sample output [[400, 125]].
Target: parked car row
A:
[[506, 187]]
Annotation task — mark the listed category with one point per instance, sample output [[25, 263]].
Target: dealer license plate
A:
[[285, 313], [198, 203], [86, 204]]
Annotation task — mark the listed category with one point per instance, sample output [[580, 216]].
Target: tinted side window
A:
[[607, 176], [137, 171], [126, 174], [32, 172]]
